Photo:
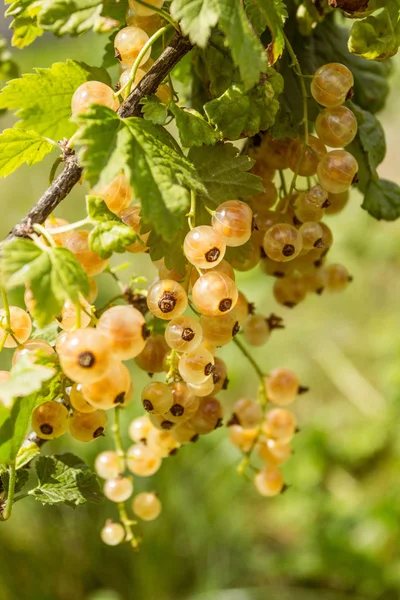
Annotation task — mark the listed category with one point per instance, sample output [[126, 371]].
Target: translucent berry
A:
[[78, 244], [282, 242], [274, 152], [167, 299], [78, 401], [204, 247], [86, 427], [53, 223], [256, 330], [183, 334], [157, 398], [118, 489], [144, 11], [208, 415], [242, 308], [274, 452], [150, 24], [142, 461], [282, 386], [303, 159], [336, 127], [242, 438], [146, 506], [311, 233], [140, 428], [196, 365], [185, 403], [337, 278], [269, 481], [162, 443], [112, 533], [117, 194], [85, 356], [233, 220], [290, 290], [337, 202], [248, 413], [68, 317], [280, 424], [21, 327], [128, 42], [152, 357], [125, 329], [336, 171], [108, 465], [184, 433], [50, 420], [214, 294], [112, 390], [332, 84], [92, 92], [220, 330], [203, 389], [34, 349]]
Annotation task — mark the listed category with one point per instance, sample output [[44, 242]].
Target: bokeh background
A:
[[335, 533]]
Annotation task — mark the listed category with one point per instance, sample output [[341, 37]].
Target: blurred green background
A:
[[335, 533]]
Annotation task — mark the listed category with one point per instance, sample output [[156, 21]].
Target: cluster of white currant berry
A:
[[289, 241]]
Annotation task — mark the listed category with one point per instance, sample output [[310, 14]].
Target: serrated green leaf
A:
[[25, 378], [53, 275], [72, 17], [215, 67], [382, 199], [238, 113], [65, 479], [171, 252], [43, 99], [197, 18], [24, 24], [271, 14], [14, 427], [377, 37], [27, 452], [159, 174], [193, 129], [224, 173], [153, 110], [18, 147], [111, 236], [247, 51]]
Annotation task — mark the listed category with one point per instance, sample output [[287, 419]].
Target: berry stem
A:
[[162, 14], [297, 69], [251, 360], [123, 515], [139, 58], [191, 216], [40, 230], [10, 496], [283, 183], [70, 226]]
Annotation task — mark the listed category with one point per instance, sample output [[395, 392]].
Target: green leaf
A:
[[238, 113], [43, 99], [18, 147], [14, 426], [48, 333], [72, 17], [271, 14], [160, 175], [111, 236], [8, 68], [98, 210], [53, 275], [193, 128], [224, 173], [378, 36], [27, 452], [247, 51], [24, 24], [382, 199], [215, 67], [171, 252], [21, 480], [197, 18], [25, 378], [65, 479], [153, 110]]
